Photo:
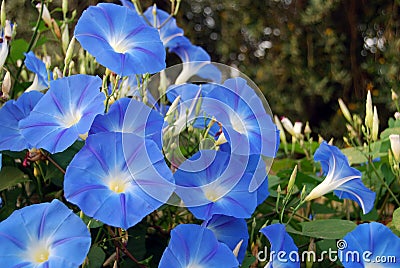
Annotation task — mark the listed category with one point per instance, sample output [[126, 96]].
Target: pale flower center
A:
[[194, 266], [238, 124], [71, 119], [39, 253], [117, 186], [212, 194], [121, 44]]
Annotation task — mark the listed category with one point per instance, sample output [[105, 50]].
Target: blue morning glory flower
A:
[[118, 178], [43, 235], [284, 252], [195, 246], [196, 61], [230, 231], [120, 40], [344, 180], [130, 116], [215, 182], [11, 113], [247, 126], [35, 65], [369, 245], [66, 110], [171, 35]]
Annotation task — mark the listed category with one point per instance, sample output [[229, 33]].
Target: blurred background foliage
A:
[[303, 55]]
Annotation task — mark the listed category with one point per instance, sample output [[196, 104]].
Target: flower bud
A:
[[65, 38], [369, 111], [397, 115], [395, 146], [237, 248], [3, 52], [394, 96], [6, 86], [56, 28], [287, 124], [221, 139], [64, 7], [70, 51], [375, 125], [297, 128], [3, 14], [282, 135], [292, 180], [8, 30], [45, 15], [307, 129], [346, 113], [171, 110]]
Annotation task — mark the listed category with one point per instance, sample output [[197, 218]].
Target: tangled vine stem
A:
[[119, 245]]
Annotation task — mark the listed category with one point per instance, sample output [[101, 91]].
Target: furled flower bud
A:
[[287, 124], [369, 113], [297, 128], [395, 146], [70, 51], [394, 96], [346, 113], [307, 129], [375, 125], [397, 115], [282, 135], [3, 14], [64, 7], [65, 38], [292, 180], [6, 86], [46, 17], [3, 52], [8, 30], [56, 28]]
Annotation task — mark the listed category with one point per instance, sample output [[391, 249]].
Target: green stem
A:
[[384, 182], [31, 43]]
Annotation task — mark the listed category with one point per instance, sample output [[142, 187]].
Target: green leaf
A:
[[96, 257], [248, 260], [357, 155], [327, 229], [389, 131], [90, 222], [11, 176], [17, 49], [396, 219], [371, 216]]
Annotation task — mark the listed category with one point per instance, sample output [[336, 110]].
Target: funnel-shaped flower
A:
[[43, 235], [284, 252], [120, 40], [196, 62], [35, 65], [171, 35], [370, 245], [195, 246], [247, 126], [215, 182], [395, 146], [11, 113], [118, 178], [64, 112], [130, 116], [344, 180], [230, 231]]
